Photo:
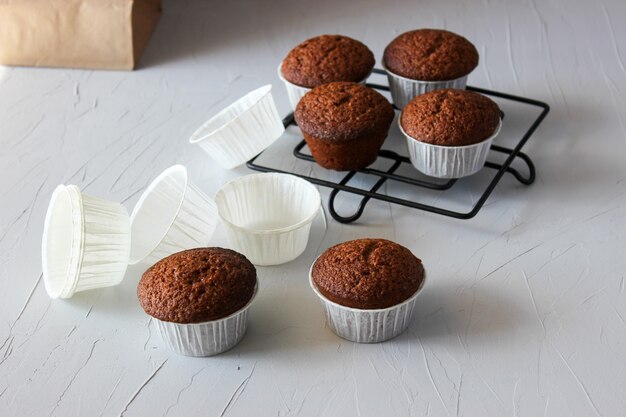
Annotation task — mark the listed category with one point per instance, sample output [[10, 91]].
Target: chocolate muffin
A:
[[197, 285], [368, 273], [430, 55], [344, 124], [450, 117], [327, 58]]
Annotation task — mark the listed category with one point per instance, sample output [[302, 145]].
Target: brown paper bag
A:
[[109, 34]]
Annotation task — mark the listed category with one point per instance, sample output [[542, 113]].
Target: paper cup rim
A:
[[262, 93], [231, 315], [283, 79], [313, 286], [73, 193], [388, 71], [430, 145], [285, 229], [144, 196]]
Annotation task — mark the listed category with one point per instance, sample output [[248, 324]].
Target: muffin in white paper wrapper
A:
[[405, 89], [86, 243], [207, 338], [294, 91], [367, 326], [171, 215], [242, 130], [448, 161], [268, 216]]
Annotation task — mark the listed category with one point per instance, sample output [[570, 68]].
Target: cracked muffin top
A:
[[327, 58], [430, 55], [197, 285], [450, 117], [343, 111], [368, 273]]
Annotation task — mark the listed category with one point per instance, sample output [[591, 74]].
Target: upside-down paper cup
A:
[[86, 243], [367, 326], [294, 91], [170, 216], [405, 89], [268, 216], [207, 338], [448, 161], [242, 130]]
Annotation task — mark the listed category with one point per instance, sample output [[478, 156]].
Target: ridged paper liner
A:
[[171, 215], [242, 130], [367, 326], [268, 216], [448, 161], [294, 91], [208, 338], [86, 243], [403, 89]]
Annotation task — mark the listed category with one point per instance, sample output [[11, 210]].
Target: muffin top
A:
[[430, 55], [327, 58], [368, 273], [450, 117], [197, 285], [342, 111]]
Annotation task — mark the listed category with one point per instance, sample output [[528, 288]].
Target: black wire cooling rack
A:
[[398, 160]]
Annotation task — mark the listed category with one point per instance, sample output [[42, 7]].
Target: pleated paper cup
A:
[[403, 89], [294, 91], [448, 161], [268, 216], [242, 130], [171, 215], [207, 338], [86, 243], [367, 326]]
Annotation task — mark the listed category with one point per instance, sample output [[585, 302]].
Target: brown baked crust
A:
[[327, 58], [343, 111], [345, 155], [368, 273], [197, 285], [450, 117], [430, 55]]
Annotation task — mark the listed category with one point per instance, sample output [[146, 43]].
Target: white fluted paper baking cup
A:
[[242, 130], [448, 161], [208, 338], [268, 216], [170, 216], [367, 326], [86, 243], [403, 89], [296, 92]]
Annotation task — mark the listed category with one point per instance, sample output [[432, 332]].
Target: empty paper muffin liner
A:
[[171, 215], [367, 326], [86, 242], [268, 216], [448, 161], [242, 130], [403, 89], [208, 338]]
